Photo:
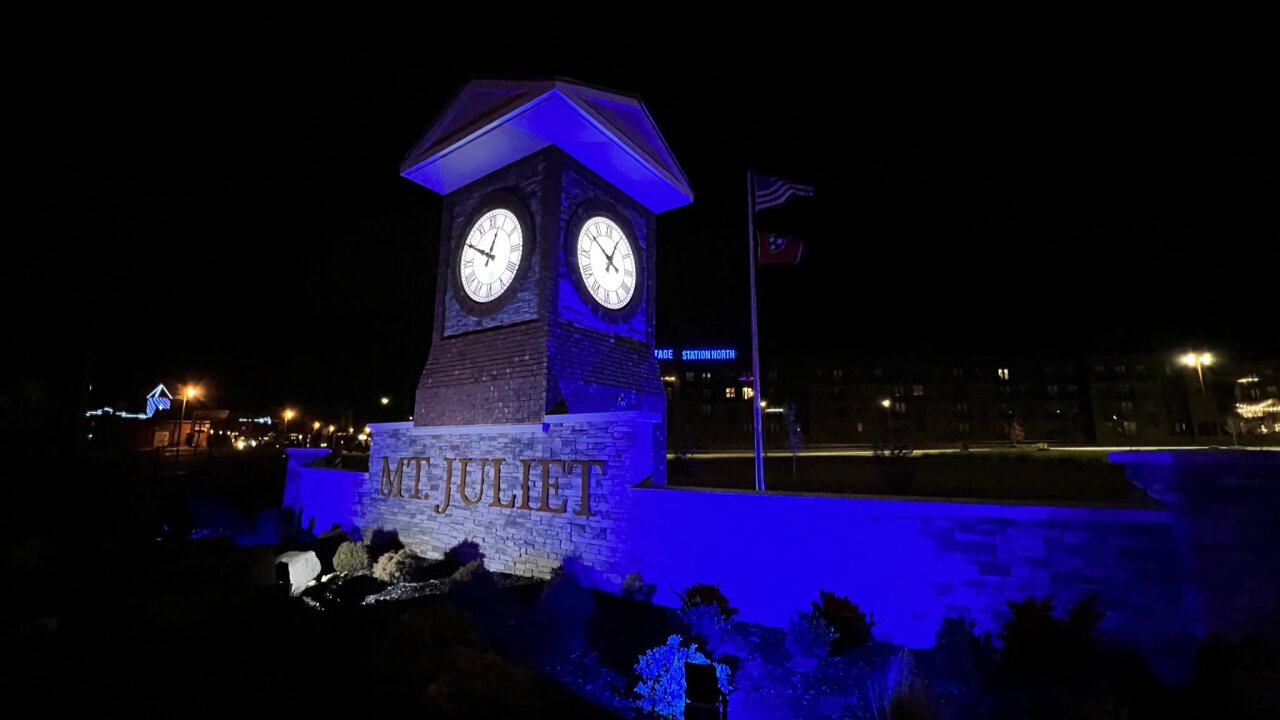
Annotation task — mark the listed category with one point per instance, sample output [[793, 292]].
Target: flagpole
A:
[[757, 426]]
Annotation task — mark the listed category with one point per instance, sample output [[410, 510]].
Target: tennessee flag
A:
[[774, 248]]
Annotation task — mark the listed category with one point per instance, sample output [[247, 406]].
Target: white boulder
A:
[[300, 568]]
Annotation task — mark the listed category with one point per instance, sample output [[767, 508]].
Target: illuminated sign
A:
[[158, 399], [394, 483], [698, 354]]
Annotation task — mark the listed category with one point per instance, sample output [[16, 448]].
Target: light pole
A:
[[315, 429], [1199, 361], [888, 420], [187, 394], [288, 415]]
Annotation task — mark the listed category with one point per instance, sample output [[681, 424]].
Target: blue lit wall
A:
[[325, 495], [912, 563]]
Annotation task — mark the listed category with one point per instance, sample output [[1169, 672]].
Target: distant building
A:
[[1108, 400]]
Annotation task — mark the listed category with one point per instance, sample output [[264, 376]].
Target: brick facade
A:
[[544, 347], [521, 539]]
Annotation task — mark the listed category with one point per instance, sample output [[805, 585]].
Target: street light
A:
[[191, 392], [384, 400], [288, 415], [888, 420], [1199, 361]]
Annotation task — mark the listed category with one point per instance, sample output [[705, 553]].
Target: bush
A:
[[400, 566], [351, 557], [661, 670], [464, 553], [634, 587], [382, 541], [960, 649], [472, 570], [853, 628], [705, 623], [710, 595], [479, 679], [809, 636], [1043, 650], [896, 692]]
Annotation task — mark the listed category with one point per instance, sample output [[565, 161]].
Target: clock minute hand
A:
[[488, 255], [491, 246], [607, 257]]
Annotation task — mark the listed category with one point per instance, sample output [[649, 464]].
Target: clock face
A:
[[490, 255], [606, 262]]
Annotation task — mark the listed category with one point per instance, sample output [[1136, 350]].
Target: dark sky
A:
[[226, 207]]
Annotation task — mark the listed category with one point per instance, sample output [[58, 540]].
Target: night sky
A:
[[227, 208]]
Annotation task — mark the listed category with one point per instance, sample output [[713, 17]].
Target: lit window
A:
[[1126, 407], [917, 390], [900, 407], [1052, 390], [860, 426], [748, 393], [837, 375], [957, 373], [1003, 373], [706, 377], [731, 392], [897, 391], [706, 410], [962, 429]]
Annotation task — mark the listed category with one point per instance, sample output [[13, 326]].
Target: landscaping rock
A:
[[342, 591], [410, 591], [297, 569]]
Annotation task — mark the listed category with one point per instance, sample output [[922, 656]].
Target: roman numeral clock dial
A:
[[606, 262], [490, 256]]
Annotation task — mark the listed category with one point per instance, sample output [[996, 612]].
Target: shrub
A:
[[853, 628], [634, 587], [464, 553], [896, 693], [382, 541], [400, 566], [960, 649], [1045, 650], [809, 636], [479, 679], [705, 623], [472, 570], [661, 670], [703, 594], [564, 610], [351, 557]]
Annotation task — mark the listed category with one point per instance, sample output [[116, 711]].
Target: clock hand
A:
[[607, 257], [495, 242], [473, 247]]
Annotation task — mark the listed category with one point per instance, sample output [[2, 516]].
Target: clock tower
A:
[[542, 344]]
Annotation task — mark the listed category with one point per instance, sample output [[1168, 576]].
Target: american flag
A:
[[773, 191]]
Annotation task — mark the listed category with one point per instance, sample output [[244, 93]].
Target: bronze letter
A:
[[584, 504], [524, 484], [448, 484], [462, 482], [417, 474], [390, 483], [548, 484], [497, 486]]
